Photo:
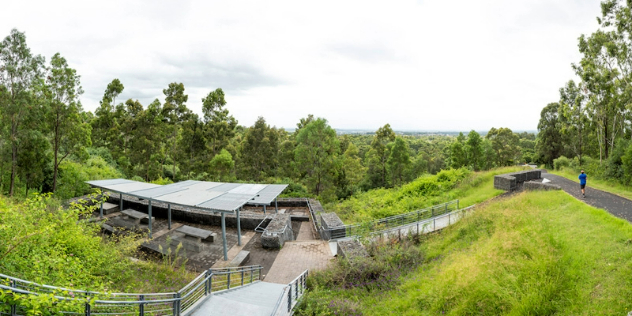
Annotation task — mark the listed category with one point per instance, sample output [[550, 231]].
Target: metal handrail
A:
[[291, 295], [354, 230], [409, 227], [182, 302]]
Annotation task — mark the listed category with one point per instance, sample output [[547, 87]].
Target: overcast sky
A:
[[418, 65]]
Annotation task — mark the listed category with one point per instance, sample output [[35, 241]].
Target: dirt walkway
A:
[[616, 205]]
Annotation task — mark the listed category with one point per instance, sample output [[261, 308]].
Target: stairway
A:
[[256, 299]]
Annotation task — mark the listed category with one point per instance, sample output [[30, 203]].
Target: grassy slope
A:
[[475, 188], [604, 185], [537, 253]]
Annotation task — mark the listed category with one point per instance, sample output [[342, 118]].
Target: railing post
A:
[[289, 299], [14, 307], [242, 277], [228, 280], [296, 289], [141, 307], [252, 275], [206, 274], [457, 204], [88, 308], [176, 304]]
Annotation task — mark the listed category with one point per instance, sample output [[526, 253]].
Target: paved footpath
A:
[[614, 204], [295, 257]]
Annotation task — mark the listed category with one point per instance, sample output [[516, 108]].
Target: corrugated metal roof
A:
[[122, 185], [215, 196], [268, 194]]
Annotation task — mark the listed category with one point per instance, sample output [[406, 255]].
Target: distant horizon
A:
[[367, 130]]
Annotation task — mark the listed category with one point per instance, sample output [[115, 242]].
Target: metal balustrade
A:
[[387, 223], [291, 295], [89, 303]]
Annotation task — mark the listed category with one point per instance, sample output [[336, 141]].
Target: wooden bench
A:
[[136, 215], [197, 233]]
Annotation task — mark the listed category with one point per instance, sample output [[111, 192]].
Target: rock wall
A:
[[278, 232], [512, 181], [352, 248], [532, 185], [333, 227], [180, 213]]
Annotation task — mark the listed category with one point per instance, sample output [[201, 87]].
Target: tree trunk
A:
[[14, 154], [56, 149]]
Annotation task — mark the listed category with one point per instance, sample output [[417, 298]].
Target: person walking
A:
[[582, 183]]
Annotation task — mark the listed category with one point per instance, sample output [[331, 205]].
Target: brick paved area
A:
[[297, 256]]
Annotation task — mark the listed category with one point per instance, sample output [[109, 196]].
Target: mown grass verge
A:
[[467, 186], [537, 253], [611, 186]]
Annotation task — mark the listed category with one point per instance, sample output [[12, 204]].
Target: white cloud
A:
[[439, 65]]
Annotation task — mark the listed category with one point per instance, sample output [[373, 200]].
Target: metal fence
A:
[[424, 226], [384, 224], [291, 295], [79, 302]]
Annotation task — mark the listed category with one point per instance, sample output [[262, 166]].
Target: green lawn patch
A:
[[536, 253]]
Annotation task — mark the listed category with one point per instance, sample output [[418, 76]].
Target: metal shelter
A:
[[206, 196]]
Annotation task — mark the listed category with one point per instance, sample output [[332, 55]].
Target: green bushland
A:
[[536, 253], [47, 244], [467, 186]]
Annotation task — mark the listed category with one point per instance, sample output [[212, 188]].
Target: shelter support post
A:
[[224, 236], [238, 228], [149, 211], [101, 210], [169, 215], [276, 205], [264, 209], [120, 202]]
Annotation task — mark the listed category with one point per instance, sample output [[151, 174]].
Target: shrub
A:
[[561, 162]]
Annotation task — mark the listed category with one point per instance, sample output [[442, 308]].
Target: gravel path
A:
[[616, 205]]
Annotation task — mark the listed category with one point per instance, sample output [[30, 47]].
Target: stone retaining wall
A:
[[532, 185], [351, 249], [332, 226], [278, 232], [512, 181], [180, 213]]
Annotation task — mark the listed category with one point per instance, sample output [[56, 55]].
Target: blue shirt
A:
[[582, 178]]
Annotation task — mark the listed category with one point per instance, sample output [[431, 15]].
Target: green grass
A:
[[537, 253], [604, 185], [466, 186]]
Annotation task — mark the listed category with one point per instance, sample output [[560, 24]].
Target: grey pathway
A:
[[257, 299], [614, 204]]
